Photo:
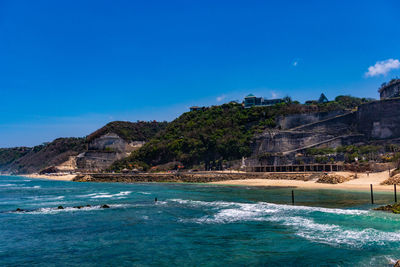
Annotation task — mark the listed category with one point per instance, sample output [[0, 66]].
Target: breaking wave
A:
[[18, 186], [46, 198], [4, 185], [119, 195], [55, 210], [296, 218], [333, 234]]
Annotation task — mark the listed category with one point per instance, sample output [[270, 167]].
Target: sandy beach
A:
[[66, 177], [361, 183]]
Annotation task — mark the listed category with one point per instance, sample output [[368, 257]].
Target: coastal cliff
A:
[[95, 152], [219, 137]]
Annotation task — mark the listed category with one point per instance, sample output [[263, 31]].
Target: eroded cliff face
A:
[[379, 120], [329, 129], [296, 120], [105, 150]]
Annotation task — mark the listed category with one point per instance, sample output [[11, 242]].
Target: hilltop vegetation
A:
[[130, 131], [50, 154], [219, 133], [8, 155]]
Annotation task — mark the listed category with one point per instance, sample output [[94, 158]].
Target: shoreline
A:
[[64, 177], [362, 183]]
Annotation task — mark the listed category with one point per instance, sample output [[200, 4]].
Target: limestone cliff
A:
[[104, 150], [374, 121]]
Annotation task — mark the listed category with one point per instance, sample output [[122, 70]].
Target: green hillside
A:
[[219, 133], [45, 155], [8, 155]]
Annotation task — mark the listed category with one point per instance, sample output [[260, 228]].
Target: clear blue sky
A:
[[69, 67]]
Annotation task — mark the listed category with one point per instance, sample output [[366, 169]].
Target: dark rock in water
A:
[[397, 264], [105, 206], [88, 206], [60, 207], [78, 207], [392, 208], [19, 210], [384, 208]]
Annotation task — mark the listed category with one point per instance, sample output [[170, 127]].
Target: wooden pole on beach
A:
[[292, 197], [372, 195], [395, 193]]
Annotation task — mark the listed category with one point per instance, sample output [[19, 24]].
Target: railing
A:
[[297, 168]]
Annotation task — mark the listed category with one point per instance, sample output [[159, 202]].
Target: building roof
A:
[[250, 95], [323, 98]]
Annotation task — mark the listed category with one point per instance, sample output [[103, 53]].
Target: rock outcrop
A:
[[105, 150], [392, 180], [333, 179], [391, 208]]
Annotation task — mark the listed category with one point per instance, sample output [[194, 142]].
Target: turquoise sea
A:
[[191, 225]]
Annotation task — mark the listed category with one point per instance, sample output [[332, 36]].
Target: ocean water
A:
[[191, 225]]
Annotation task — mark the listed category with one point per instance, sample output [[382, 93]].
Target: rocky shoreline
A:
[[187, 177]]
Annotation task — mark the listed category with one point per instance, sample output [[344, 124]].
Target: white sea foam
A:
[[19, 186], [15, 181], [316, 209], [55, 210], [336, 235], [119, 195], [296, 218], [264, 206], [26, 187], [5, 185], [144, 193], [196, 203], [46, 198]]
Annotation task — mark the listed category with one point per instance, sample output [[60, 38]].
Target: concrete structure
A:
[[390, 90], [297, 168], [377, 121], [195, 108], [322, 99], [251, 101]]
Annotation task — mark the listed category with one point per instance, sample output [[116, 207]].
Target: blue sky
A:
[[69, 67]]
